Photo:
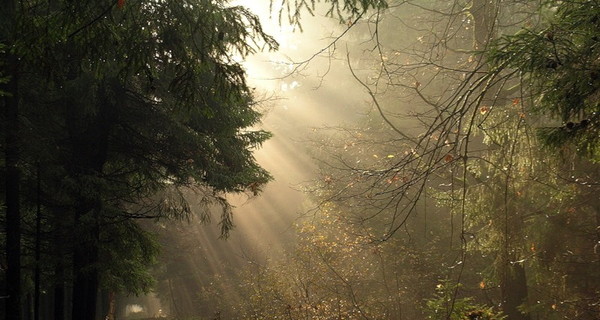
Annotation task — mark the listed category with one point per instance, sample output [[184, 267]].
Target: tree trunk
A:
[[85, 272], [108, 305], [59, 295], [13, 213], [38, 240], [85, 286], [28, 306], [483, 12], [12, 182], [59, 271], [513, 286], [88, 135]]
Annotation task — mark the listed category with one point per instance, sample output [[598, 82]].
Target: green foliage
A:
[[128, 252], [445, 305], [128, 109], [560, 63], [345, 11], [521, 207]]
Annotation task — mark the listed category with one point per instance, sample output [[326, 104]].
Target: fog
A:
[[300, 99], [300, 93], [393, 160], [374, 211]]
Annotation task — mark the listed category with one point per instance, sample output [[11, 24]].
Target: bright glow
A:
[[295, 103], [302, 101], [133, 309]]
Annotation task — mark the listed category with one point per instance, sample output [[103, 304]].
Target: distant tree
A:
[[479, 78], [462, 86]]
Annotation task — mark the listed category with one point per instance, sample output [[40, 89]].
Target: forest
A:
[[279, 159]]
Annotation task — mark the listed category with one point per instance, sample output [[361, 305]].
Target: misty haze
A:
[[278, 159]]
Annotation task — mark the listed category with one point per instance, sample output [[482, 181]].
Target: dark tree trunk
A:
[[513, 286], [107, 303], [12, 201], [89, 138], [59, 295], [46, 299], [38, 240], [85, 258], [59, 268], [13, 213], [85, 290]]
